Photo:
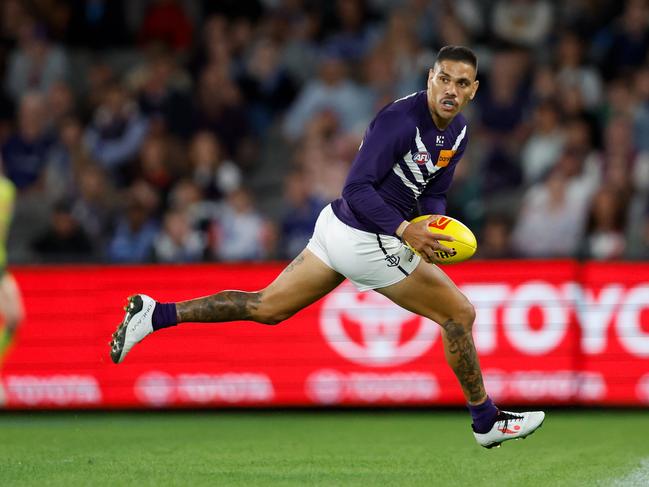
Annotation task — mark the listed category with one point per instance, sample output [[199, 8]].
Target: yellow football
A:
[[465, 243]]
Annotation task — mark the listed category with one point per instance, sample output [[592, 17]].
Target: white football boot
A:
[[510, 426], [134, 327]]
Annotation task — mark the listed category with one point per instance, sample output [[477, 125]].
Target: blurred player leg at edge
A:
[[11, 306], [11, 309], [403, 169]]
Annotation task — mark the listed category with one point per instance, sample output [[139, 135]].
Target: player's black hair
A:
[[458, 53]]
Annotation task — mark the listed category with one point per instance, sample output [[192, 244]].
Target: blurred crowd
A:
[[193, 130]]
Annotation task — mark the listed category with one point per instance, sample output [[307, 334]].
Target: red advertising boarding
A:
[[550, 332]]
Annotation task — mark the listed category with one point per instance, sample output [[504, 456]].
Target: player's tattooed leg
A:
[[296, 262], [223, 306], [463, 359]]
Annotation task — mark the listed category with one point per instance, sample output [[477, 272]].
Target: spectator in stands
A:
[[100, 77], [266, 84], [637, 231], [64, 240], [13, 17], [36, 64], [94, 205], [545, 85], [505, 96], [221, 109], [641, 115], [586, 17], [137, 229], [380, 78], [395, 65], [163, 93], [523, 22], [572, 72], [580, 134], [624, 167], [300, 48], [242, 38], [116, 132], [331, 92], [624, 43], [471, 15], [353, 35], [97, 24], [301, 211], [450, 30], [553, 214], [620, 100], [165, 21], [211, 171], [158, 163], [241, 233], [502, 130], [69, 158], [495, 238], [324, 158], [178, 241], [424, 15], [214, 47], [187, 197], [61, 104], [605, 239], [545, 144], [27, 152]]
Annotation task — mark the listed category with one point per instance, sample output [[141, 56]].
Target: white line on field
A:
[[638, 476]]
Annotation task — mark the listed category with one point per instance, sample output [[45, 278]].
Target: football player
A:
[[403, 168]]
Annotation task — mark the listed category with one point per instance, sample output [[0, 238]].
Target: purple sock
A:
[[164, 315], [484, 415]]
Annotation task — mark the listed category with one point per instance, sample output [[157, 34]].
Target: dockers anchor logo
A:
[[392, 260], [369, 329]]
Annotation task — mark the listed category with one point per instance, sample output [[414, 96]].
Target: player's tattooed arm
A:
[[463, 359], [224, 306]]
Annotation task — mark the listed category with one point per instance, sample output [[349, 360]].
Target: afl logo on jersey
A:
[[421, 157]]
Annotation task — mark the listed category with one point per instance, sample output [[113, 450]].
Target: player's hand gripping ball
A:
[[464, 242]]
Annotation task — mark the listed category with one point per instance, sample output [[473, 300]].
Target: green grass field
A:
[[401, 448]]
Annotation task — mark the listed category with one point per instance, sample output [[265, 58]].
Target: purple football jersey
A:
[[403, 168]]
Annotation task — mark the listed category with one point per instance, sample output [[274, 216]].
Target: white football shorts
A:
[[369, 260]]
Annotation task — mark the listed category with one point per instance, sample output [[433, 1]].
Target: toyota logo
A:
[[369, 329]]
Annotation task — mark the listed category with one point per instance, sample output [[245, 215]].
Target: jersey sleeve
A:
[[433, 200], [387, 139]]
